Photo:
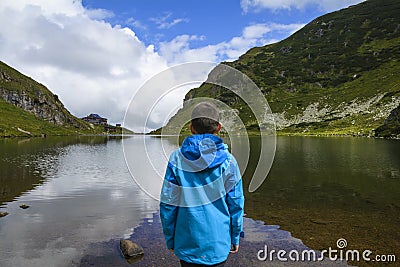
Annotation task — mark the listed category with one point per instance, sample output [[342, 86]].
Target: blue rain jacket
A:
[[201, 202]]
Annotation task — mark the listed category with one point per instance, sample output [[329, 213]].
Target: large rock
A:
[[130, 249], [391, 126]]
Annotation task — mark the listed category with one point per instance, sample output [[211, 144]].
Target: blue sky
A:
[[96, 54], [214, 21]]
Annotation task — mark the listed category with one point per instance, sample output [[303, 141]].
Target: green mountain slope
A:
[[337, 75], [29, 108]]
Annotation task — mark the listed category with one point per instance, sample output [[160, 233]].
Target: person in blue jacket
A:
[[201, 201]]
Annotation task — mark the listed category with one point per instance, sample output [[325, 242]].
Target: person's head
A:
[[205, 119]]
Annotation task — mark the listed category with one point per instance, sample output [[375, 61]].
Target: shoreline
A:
[[251, 134], [64, 135], [279, 134], [148, 234]]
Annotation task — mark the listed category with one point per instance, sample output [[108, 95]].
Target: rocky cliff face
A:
[[320, 113], [27, 94]]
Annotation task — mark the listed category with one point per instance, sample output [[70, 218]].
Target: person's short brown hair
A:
[[205, 118]]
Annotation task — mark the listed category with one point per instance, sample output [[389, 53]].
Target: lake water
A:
[[83, 200]]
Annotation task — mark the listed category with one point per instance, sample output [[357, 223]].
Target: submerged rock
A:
[[132, 260], [3, 213], [24, 206], [130, 250]]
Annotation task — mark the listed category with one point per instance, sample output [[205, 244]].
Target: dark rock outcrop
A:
[[40, 106], [391, 126]]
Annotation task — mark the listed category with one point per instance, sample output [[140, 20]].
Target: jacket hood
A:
[[204, 151]]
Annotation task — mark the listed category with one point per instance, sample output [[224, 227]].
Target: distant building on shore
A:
[[95, 119], [117, 129]]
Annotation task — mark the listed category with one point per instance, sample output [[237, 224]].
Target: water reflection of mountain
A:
[[27, 163], [323, 189], [87, 196]]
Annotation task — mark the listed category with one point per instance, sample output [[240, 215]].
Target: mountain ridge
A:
[[338, 75], [28, 108]]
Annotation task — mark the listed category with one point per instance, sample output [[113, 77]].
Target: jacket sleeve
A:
[[235, 201], [168, 212]]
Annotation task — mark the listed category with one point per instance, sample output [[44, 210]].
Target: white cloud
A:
[[164, 22], [255, 31], [136, 23], [323, 5], [99, 13], [179, 50], [91, 65]]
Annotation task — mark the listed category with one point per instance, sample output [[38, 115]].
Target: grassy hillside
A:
[[29, 108], [337, 75], [12, 118]]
